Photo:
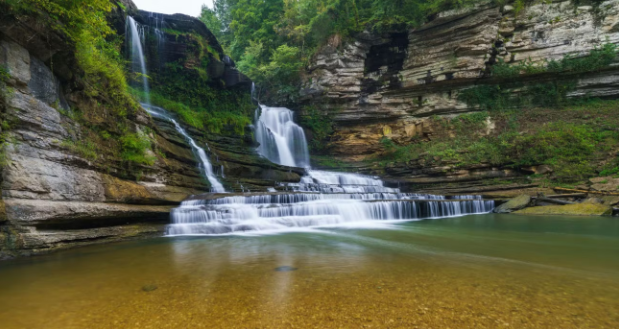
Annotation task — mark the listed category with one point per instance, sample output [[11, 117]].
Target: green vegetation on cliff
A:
[[97, 47], [189, 82], [513, 93], [575, 141], [105, 98], [230, 109]]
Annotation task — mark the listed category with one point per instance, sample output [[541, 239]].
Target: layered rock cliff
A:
[[186, 62], [400, 85], [64, 182]]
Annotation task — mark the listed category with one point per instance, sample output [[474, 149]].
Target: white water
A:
[[281, 212], [135, 41], [321, 199], [206, 167], [281, 140]]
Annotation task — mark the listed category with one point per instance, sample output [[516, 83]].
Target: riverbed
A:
[[481, 271]]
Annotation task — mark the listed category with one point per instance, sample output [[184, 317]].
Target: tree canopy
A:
[[272, 39]]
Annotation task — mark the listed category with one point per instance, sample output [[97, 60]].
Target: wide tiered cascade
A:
[[289, 211], [321, 199]]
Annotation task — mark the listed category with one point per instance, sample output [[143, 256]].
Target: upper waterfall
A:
[[135, 41]]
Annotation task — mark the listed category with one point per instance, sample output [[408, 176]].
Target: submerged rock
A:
[[581, 209], [517, 203], [285, 269], [149, 288]]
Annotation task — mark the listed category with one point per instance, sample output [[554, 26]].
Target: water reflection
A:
[[480, 271]]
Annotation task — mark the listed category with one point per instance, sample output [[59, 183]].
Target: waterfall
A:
[[135, 40], [321, 199], [157, 22], [279, 212], [281, 140], [254, 97], [205, 164]]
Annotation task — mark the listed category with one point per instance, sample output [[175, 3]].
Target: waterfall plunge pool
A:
[[482, 271]]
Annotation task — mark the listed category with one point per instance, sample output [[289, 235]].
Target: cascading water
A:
[[135, 41], [278, 212], [281, 140], [321, 199], [205, 166]]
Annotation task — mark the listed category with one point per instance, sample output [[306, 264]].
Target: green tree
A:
[[211, 20], [254, 31]]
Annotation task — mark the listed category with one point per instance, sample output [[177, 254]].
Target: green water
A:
[[487, 271]]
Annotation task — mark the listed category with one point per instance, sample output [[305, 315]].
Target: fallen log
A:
[[582, 191], [549, 200], [571, 195]]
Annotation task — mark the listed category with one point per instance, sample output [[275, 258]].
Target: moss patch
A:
[[577, 142], [581, 209], [123, 191]]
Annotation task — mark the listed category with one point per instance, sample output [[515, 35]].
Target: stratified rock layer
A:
[[387, 85], [53, 195]]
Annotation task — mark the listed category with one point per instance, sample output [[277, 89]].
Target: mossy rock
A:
[[514, 204], [580, 209]]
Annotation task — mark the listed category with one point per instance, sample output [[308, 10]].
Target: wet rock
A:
[[16, 59], [581, 209], [517, 203], [285, 269], [149, 288]]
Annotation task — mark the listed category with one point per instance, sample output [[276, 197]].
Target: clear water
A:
[[481, 271]]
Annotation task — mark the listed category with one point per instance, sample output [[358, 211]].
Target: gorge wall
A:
[[64, 181], [399, 85]]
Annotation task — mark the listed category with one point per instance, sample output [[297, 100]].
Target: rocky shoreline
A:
[[597, 199]]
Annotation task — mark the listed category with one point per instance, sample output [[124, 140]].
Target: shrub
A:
[[321, 125], [84, 148], [229, 111], [4, 74], [134, 147], [96, 45]]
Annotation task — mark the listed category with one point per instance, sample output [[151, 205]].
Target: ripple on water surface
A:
[[486, 271]]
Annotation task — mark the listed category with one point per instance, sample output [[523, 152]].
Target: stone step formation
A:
[[321, 199]]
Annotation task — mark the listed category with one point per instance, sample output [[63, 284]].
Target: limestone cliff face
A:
[[391, 84], [180, 49], [54, 196]]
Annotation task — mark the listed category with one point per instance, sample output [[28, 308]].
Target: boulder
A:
[[611, 200], [517, 203], [605, 184], [593, 201], [581, 209]]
